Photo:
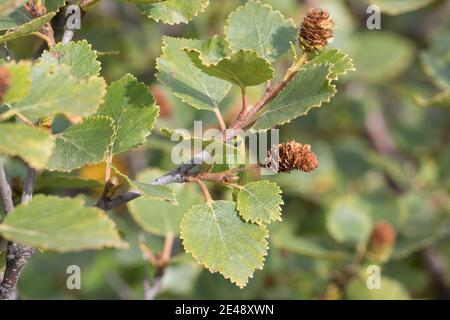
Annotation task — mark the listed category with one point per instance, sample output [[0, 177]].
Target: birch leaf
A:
[[220, 240], [259, 28], [260, 202], [60, 224]]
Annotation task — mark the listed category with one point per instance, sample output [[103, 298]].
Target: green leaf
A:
[[78, 55], [187, 82], [20, 82], [33, 145], [60, 224], [286, 240], [61, 180], [81, 144], [308, 89], [259, 28], [149, 190], [405, 247], [390, 289], [55, 90], [436, 60], [172, 11], [220, 240], [53, 5], [348, 222], [13, 19], [132, 107], [260, 202], [341, 62], [380, 56], [160, 217], [243, 68], [27, 28], [395, 7]]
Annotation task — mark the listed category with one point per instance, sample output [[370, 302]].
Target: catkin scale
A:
[[292, 156], [316, 31]]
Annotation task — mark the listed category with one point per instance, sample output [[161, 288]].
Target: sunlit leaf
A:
[[221, 241], [259, 28], [260, 202], [81, 144], [60, 224], [33, 145]]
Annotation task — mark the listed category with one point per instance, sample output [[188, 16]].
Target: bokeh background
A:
[[382, 143]]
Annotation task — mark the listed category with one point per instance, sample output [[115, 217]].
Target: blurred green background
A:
[[382, 144]]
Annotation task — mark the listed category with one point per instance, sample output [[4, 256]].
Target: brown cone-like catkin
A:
[[5, 82], [292, 156], [316, 31], [382, 242]]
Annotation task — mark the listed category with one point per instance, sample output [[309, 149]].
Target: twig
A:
[[17, 255], [28, 185], [179, 174], [228, 176], [5, 190], [219, 116], [108, 168], [168, 245], [159, 262], [148, 254], [203, 187], [151, 290]]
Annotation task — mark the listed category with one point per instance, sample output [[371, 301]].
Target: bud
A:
[[381, 243], [5, 82], [316, 31], [292, 156]]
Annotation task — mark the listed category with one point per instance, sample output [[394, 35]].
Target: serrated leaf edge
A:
[[318, 105], [163, 52], [121, 244], [185, 19], [241, 285], [88, 81], [263, 5], [107, 148], [48, 16], [215, 64], [346, 58], [260, 221], [143, 136], [83, 42]]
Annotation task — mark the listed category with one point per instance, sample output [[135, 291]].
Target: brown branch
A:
[[203, 187], [228, 176], [178, 175], [219, 117]]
